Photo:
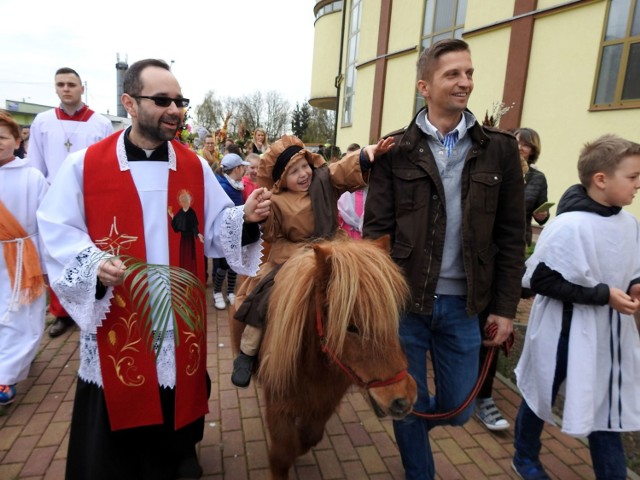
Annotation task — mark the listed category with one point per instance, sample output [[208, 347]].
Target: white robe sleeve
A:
[[223, 229], [71, 257]]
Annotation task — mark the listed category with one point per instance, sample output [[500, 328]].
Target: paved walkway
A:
[[357, 445]]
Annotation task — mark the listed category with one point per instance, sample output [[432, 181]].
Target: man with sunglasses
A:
[[139, 408], [54, 134]]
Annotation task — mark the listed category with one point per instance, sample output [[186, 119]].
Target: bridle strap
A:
[[398, 377]]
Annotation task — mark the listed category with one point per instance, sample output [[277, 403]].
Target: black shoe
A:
[[243, 367], [61, 325], [189, 467]]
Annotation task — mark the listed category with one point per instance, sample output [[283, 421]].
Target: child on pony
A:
[[303, 209]]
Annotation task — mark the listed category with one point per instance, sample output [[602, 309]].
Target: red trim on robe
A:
[[128, 367], [82, 115]]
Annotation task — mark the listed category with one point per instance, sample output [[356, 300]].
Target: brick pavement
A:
[[357, 445]]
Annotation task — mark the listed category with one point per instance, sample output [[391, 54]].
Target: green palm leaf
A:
[[159, 293]]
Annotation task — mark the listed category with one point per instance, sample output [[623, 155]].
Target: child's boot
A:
[[243, 367]]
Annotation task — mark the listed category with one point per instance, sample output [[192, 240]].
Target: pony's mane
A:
[[363, 282]]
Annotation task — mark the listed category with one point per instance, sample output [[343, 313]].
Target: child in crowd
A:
[[351, 206], [303, 208], [581, 337], [231, 171], [22, 292], [250, 180], [351, 212]]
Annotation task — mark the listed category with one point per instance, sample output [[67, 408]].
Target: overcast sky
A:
[[233, 47]]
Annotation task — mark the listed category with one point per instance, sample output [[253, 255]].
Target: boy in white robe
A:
[[581, 338], [22, 292]]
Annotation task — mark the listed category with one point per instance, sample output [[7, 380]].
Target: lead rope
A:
[[491, 331]]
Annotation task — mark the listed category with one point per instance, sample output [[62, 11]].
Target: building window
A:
[[352, 55], [618, 79], [329, 8], [442, 19]]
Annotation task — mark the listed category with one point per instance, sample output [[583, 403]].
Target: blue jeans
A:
[[453, 338], [607, 451]]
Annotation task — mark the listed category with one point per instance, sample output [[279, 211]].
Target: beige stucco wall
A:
[[326, 53], [559, 91], [489, 53], [561, 76]]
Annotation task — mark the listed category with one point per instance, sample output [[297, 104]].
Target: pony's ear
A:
[[323, 264], [383, 242]]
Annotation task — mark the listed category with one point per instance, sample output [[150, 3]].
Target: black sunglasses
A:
[[166, 101]]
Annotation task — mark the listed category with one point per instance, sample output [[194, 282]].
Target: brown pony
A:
[[333, 322]]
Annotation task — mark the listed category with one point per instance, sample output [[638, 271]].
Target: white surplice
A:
[[602, 389], [22, 189], [71, 254], [47, 149]]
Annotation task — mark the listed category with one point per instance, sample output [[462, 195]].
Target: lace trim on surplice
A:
[[76, 290], [89, 369], [243, 260]]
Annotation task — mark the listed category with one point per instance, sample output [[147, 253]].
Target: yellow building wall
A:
[[489, 53], [481, 13], [326, 54], [559, 90], [562, 71]]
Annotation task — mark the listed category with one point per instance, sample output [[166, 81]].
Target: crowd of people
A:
[[455, 197]]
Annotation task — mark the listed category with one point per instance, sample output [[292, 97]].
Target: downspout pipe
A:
[[338, 80]]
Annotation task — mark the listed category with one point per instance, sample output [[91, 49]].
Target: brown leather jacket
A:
[[404, 200]]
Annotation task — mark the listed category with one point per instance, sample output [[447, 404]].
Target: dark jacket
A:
[[235, 195], [405, 200], [535, 194]]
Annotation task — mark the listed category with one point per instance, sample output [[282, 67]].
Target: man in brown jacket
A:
[[450, 194]]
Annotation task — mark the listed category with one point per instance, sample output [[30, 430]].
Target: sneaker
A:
[[489, 414], [7, 394], [232, 299], [529, 469], [243, 367], [218, 301]]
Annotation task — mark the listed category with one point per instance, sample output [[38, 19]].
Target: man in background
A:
[[55, 134]]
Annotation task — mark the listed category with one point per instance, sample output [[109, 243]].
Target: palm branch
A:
[[165, 291]]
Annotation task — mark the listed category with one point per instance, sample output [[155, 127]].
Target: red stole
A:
[[115, 222]]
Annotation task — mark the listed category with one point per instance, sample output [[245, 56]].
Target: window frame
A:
[[627, 41]]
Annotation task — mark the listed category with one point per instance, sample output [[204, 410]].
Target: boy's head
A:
[[609, 168], [280, 157]]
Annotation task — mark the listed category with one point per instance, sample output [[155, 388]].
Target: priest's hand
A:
[[258, 205], [111, 272]]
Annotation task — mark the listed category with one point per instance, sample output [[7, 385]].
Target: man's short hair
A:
[[353, 147], [65, 70], [428, 61], [233, 148], [603, 155], [131, 84]]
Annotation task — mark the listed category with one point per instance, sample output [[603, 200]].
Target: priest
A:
[[139, 413]]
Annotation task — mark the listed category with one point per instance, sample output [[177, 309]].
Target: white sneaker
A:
[[489, 414], [232, 299], [218, 301]]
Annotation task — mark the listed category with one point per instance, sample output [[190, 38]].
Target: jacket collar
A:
[[414, 136]]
